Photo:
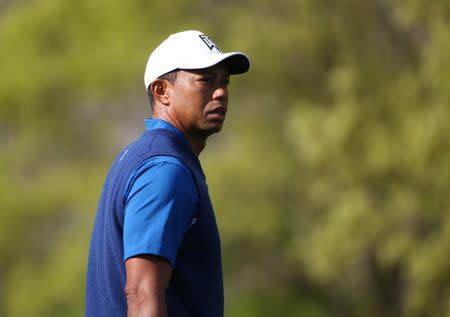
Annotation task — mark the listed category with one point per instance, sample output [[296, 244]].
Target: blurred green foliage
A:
[[331, 180]]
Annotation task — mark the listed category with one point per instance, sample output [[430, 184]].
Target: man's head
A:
[[187, 80]]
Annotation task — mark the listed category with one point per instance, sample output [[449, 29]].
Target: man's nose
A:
[[221, 91]]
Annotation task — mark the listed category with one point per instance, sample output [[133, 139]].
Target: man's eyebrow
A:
[[202, 72], [208, 71]]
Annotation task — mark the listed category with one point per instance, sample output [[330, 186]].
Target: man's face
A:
[[199, 100]]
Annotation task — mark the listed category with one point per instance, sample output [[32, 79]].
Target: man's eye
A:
[[206, 79]]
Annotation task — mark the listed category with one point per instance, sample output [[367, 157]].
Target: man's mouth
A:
[[217, 114]]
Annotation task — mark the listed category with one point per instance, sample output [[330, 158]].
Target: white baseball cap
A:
[[191, 50]]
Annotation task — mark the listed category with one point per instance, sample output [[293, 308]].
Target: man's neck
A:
[[197, 142]]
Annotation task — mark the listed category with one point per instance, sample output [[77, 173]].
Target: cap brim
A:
[[236, 62]]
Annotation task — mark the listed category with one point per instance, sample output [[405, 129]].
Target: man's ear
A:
[[159, 89]]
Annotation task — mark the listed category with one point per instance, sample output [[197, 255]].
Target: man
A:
[[155, 248]]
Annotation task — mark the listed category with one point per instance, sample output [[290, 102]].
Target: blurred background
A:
[[331, 178]]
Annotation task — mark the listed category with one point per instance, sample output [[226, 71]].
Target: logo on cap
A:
[[211, 45]]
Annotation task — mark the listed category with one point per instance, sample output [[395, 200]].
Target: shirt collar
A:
[[151, 124]]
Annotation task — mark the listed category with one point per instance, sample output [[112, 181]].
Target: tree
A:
[[330, 180]]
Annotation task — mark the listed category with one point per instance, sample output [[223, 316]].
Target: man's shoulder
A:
[[162, 163], [165, 175], [162, 170]]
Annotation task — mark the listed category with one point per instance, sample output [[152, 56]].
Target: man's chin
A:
[[217, 126], [211, 129]]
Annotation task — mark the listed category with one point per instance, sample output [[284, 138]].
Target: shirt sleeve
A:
[[159, 208]]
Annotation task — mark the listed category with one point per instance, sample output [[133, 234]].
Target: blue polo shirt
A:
[[161, 198], [155, 200]]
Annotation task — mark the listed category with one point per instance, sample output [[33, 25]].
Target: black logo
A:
[[211, 45]]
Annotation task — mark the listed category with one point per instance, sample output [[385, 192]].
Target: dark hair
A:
[[170, 76]]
